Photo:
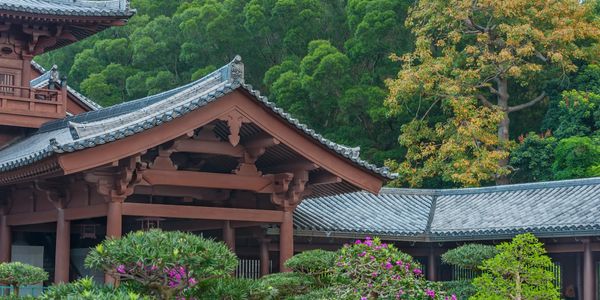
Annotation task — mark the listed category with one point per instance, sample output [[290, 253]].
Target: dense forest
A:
[[402, 79]]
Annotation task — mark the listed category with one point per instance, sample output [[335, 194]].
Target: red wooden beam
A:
[[37, 217], [208, 147], [202, 212], [209, 180], [86, 212]]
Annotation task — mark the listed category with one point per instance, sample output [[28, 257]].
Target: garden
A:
[[158, 264]]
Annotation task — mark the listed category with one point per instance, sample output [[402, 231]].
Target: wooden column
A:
[[114, 227], [589, 285], [431, 266], [229, 235], [264, 257], [286, 239], [63, 248], [5, 240]]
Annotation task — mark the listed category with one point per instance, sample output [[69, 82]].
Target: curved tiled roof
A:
[[105, 125], [99, 8], [559, 208]]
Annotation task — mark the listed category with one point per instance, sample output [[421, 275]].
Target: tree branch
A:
[[528, 104], [485, 101]]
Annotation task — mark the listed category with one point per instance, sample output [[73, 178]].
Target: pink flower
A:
[[384, 245], [398, 263], [121, 269], [362, 253], [430, 293], [367, 238], [388, 265], [369, 243], [363, 298], [358, 242], [192, 281], [417, 271]]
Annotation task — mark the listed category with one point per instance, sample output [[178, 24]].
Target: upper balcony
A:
[[31, 107]]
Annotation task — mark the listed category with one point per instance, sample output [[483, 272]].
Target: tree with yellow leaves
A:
[[470, 58]]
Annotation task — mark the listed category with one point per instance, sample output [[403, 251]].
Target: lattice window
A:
[[6, 82]]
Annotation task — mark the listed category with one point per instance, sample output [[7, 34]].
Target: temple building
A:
[[216, 158]]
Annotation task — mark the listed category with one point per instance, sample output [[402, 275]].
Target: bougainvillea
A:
[[164, 264], [370, 269]]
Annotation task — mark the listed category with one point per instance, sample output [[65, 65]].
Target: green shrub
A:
[[86, 289], [283, 285], [164, 264], [316, 263], [320, 294], [521, 270], [463, 289], [224, 289], [372, 270], [17, 274], [469, 256], [576, 157]]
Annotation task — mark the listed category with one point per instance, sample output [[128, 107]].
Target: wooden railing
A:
[[30, 107]]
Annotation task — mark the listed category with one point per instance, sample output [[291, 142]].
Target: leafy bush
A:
[[463, 289], [224, 289], [164, 264], [17, 274], [521, 270], [283, 285], [372, 270], [317, 263], [321, 294], [469, 256], [86, 289]]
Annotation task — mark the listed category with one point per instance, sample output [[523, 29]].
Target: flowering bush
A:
[[163, 264], [17, 274], [370, 269]]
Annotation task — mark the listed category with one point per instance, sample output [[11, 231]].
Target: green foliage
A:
[[17, 274], [282, 285], [316, 263], [577, 157], [520, 271], [532, 158], [164, 264], [224, 289], [375, 270], [469, 256], [87, 289], [463, 289], [579, 114]]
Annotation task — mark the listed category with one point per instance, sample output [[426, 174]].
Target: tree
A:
[[163, 264], [487, 59], [521, 271], [577, 157], [17, 274], [469, 256], [532, 158]]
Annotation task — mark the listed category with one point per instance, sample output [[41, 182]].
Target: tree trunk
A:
[[504, 126]]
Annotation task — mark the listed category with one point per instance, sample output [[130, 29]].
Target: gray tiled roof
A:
[[108, 8], [559, 208], [42, 80], [119, 121]]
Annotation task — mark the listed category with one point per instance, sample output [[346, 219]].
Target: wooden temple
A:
[[213, 156]]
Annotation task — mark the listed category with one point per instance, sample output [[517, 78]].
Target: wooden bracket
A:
[[234, 121]]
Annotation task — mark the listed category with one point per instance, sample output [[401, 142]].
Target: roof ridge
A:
[[492, 189]]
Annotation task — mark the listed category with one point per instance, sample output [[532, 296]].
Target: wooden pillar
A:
[[63, 248], [26, 74], [431, 266], [286, 239], [114, 227], [589, 285], [229, 235], [5, 240], [264, 257]]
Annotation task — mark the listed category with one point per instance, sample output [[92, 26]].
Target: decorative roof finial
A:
[[236, 70]]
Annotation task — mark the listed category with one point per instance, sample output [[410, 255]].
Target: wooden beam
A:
[[208, 147], [291, 167], [261, 140], [202, 212], [181, 191], [324, 178], [37, 217], [86, 212], [210, 180]]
